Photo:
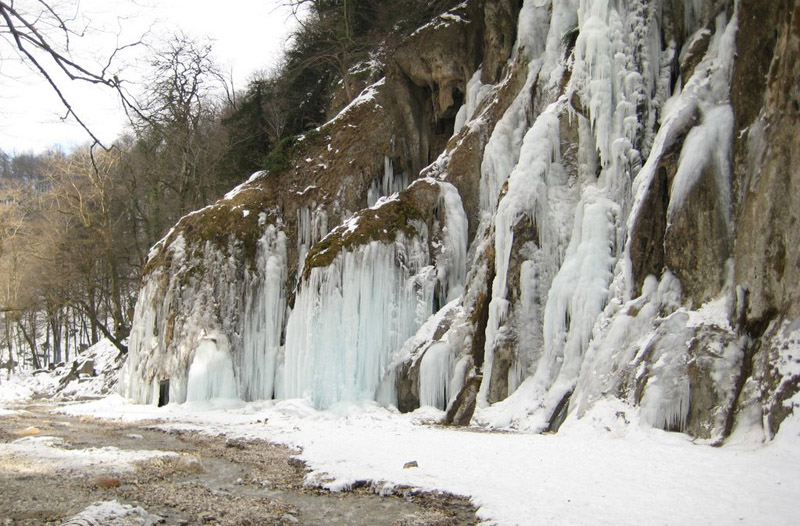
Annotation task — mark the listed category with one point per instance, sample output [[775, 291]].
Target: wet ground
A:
[[210, 480]]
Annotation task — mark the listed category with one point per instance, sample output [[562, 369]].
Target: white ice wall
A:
[[578, 264], [351, 316], [205, 292], [348, 317]]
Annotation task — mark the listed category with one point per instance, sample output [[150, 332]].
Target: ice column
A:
[[451, 262], [349, 317], [211, 373], [434, 375], [264, 314], [388, 184]]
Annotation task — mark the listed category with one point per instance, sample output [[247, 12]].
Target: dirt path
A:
[[209, 480]]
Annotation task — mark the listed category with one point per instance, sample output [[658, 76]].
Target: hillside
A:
[[533, 210]]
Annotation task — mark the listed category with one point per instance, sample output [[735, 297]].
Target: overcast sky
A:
[[248, 36]]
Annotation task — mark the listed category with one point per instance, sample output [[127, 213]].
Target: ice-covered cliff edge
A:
[[604, 210]]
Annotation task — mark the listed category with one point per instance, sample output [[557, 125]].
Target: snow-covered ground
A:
[[103, 358], [601, 469], [596, 470], [113, 512], [59, 455]]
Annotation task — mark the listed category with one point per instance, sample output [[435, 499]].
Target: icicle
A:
[[311, 227], [502, 151], [348, 319], [708, 143], [303, 236], [211, 373], [435, 371], [579, 291], [263, 322], [451, 262], [387, 184], [537, 175], [665, 403], [476, 94]]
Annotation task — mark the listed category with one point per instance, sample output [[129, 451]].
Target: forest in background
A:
[[76, 227]]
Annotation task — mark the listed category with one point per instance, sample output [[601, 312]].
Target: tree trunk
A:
[[31, 344], [55, 319], [10, 343], [101, 326], [90, 309], [120, 328]]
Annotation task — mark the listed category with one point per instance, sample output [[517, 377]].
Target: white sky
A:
[[248, 36]]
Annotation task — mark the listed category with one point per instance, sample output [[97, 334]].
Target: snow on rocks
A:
[[94, 372], [58, 455], [114, 512]]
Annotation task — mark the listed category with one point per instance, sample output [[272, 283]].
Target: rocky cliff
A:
[[533, 210]]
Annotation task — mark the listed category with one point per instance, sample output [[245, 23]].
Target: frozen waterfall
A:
[[211, 373], [352, 315]]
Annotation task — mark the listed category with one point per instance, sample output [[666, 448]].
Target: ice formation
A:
[[211, 373], [578, 262], [265, 306], [599, 105], [350, 316], [389, 183], [246, 314]]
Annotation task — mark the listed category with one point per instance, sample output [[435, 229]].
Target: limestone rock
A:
[[694, 320], [500, 19]]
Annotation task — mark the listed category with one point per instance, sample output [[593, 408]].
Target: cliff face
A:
[[536, 210]]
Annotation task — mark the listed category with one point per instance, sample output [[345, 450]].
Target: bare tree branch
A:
[[34, 43]]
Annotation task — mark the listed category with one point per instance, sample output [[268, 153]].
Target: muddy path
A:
[[207, 480]]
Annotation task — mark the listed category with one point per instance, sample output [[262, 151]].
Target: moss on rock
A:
[[383, 223]]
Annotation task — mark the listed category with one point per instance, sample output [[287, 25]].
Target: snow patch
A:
[[114, 512]]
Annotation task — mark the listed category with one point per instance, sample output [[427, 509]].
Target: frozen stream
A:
[[201, 479]]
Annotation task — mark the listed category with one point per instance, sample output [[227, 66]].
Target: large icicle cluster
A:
[[351, 315], [577, 261], [593, 260], [204, 315]]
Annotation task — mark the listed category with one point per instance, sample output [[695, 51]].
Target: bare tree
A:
[[86, 197], [179, 102], [42, 35], [17, 296]]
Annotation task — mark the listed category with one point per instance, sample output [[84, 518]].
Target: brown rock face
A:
[[407, 385], [767, 186], [713, 353], [460, 413], [768, 241], [442, 55], [696, 244], [500, 18], [647, 234]]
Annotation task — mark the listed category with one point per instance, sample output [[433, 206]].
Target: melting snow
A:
[[113, 512], [61, 456], [602, 469]]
